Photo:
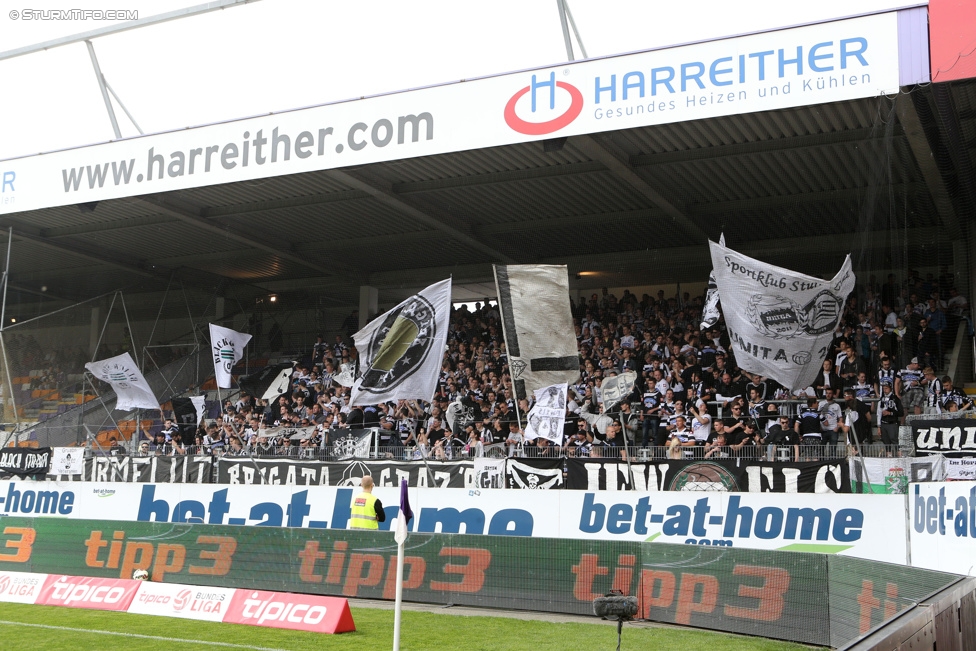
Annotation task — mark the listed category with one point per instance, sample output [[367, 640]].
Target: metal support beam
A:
[[571, 221], [384, 193], [560, 5], [834, 196], [99, 256], [193, 216], [101, 86], [919, 144], [124, 27], [124, 110], [572, 23], [492, 178], [759, 147], [595, 150]]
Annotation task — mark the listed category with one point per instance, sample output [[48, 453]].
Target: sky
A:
[[276, 55]]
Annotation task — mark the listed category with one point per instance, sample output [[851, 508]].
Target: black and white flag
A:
[[616, 389], [227, 348], [67, 461], [489, 473], [25, 462], [545, 419], [401, 351], [710, 312], [131, 389], [188, 412], [434, 474], [352, 444], [537, 323], [535, 474], [346, 376], [268, 383], [780, 321]]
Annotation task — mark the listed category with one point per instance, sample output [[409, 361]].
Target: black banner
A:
[[25, 462], [712, 475], [186, 418], [443, 474], [535, 473], [952, 438], [153, 469]]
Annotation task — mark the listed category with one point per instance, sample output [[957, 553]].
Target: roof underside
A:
[[885, 180]]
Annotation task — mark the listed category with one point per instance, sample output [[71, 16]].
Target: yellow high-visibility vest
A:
[[363, 512]]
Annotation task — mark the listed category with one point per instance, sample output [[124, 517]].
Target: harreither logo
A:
[[529, 117]]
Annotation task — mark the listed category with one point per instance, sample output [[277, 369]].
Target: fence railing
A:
[[782, 453]]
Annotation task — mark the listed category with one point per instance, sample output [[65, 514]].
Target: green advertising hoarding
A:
[[802, 597]]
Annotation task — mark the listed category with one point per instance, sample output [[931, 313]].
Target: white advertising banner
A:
[[185, 601], [942, 529], [781, 322], [866, 526], [20, 587], [963, 469], [829, 62]]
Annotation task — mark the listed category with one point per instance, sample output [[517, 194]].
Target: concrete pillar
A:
[[219, 302], [368, 304], [96, 327]]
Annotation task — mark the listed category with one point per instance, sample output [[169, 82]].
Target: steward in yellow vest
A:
[[367, 511]]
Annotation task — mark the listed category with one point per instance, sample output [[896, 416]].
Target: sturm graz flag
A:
[[535, 473], [402, 349]]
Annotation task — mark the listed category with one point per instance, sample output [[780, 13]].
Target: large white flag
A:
[[401, 351], [780, 321], [537, 322], [227, 347], [546, 417], [130, 386]]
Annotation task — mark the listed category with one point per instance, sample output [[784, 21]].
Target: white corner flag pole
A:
[[397, 610], [401, 537]]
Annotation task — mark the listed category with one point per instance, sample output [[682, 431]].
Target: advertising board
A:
[[943, 526], [868, 526], [814, 64]]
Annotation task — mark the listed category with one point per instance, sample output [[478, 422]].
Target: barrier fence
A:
[[810, 598]]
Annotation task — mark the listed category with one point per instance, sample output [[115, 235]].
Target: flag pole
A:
[[397, 610], [403, 519]]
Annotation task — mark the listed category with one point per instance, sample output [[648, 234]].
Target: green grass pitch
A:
[[46, 628]]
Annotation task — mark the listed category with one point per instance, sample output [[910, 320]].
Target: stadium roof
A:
[[800, 187]]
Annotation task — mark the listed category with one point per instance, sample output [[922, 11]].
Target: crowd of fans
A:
[[690, 398]]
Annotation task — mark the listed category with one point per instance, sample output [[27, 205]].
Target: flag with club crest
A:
[[781, 322], [401, 351], [227, 347], [131, 389]]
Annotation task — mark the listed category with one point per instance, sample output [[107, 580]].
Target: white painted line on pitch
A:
[[144, 637]]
